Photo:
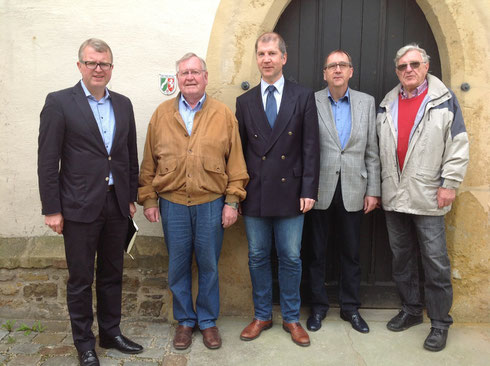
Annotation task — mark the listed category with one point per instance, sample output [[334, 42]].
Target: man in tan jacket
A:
[[194, 175]]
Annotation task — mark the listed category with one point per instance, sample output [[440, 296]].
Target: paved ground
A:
[[335, 344]]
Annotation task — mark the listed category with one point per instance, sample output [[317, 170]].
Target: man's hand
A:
[[370, 203], [445, 196], [306, 204], [132, 209], [152, 214], [55, 222], [228, 216]]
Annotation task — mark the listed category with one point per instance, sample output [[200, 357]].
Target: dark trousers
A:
[[406, 232], [105, 236], [348, 227]]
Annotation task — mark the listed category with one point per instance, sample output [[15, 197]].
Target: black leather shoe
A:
[[403, 321], [314, 322], [121, 343], [436, 340], [88, 358], [355, 320]]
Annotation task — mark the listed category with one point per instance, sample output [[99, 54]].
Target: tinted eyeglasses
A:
[[413, 65]]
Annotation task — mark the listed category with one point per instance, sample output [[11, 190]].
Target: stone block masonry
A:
[[33, 276]]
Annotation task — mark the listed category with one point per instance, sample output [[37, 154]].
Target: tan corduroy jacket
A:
[[195, 169]]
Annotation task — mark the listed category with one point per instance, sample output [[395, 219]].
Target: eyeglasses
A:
[[193, 73], [413, 65], [333, 66], [92, 65]]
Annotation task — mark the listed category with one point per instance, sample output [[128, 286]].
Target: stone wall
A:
[[33, 277]]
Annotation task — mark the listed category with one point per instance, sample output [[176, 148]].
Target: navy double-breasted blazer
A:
[[283, 162], [73, 163]]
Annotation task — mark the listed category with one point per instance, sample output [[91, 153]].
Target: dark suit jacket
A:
[[68, 133], [283, 162]]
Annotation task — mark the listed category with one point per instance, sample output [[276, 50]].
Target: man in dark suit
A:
[[88, 181], [279, 131], [349, 187]]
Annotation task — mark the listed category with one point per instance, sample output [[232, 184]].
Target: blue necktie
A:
[[271, 105]]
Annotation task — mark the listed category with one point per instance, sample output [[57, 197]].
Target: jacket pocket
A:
[[389, 183], [166, 178], [423, 189], [214, 177]]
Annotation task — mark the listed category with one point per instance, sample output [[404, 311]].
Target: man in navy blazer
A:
[[279, 130], [88, 182]]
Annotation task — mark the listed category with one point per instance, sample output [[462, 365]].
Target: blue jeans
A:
[[287, 233], [197, 229]]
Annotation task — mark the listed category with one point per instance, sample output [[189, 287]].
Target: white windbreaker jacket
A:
[[437, 155]]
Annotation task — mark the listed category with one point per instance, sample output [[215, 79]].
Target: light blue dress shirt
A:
[[188, 113], [342, 117], [104, 116], [279, 84]]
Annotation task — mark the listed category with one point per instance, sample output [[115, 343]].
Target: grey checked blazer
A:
[[358, 164]]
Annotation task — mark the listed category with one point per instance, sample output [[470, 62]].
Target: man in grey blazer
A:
[[349, 185]]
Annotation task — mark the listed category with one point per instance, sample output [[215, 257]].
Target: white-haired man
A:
[[424, 153]]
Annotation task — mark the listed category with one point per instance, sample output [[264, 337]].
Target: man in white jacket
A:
[[424, 152]]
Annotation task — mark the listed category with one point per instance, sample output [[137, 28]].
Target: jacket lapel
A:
[[355, 114], [258, 115], [325, 115], [88, 116], [116, 106], [286, 110]]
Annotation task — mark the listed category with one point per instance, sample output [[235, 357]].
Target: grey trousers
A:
[[405, 232]]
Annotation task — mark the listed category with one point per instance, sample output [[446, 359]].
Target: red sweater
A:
[[407, 110]]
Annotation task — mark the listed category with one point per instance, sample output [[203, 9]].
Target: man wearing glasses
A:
[[349, 187], [424, 153], [88, 181], [193, 175]]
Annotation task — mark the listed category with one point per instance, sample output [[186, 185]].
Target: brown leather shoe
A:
[[183, 337], [298, 334], [254, 329], [211, 337]]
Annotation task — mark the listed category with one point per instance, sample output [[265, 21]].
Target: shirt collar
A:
[[418, 90], [89, 95], [346, 95], [186, 105], [279, 84]]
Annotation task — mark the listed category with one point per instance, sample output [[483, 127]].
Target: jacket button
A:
[[283, 180], [337, 172], [109, 158], [283, 157], [263, 158], [290, 133], [342, 152], [106, 179], [256, 136]]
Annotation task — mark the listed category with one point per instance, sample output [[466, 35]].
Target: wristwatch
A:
[[232, 204]]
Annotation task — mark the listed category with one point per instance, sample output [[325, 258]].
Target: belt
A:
[[110, 187]]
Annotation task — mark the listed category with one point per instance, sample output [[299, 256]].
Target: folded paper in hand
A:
[[132, 231]]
